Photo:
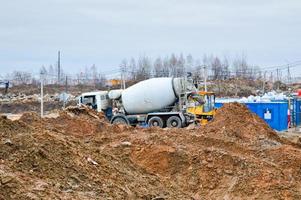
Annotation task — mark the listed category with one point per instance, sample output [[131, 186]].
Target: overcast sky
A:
[[104, 32]]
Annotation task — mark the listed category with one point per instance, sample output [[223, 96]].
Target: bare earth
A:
[[78, 155]]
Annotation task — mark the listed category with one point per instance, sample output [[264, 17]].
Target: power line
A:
[[295, 63]]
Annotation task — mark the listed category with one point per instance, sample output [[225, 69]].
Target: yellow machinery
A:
[[201, 105], [114, 82]]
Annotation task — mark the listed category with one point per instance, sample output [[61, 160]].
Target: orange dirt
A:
[[81, 156]]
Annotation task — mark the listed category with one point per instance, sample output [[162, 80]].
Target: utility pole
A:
[[59, 68], [65, 95], [205, 77], [272, 77], [121, 86], [66, 84], [263, 82], [278, 80], [288, 74], [123, 69], [42, 94], [123, 81]]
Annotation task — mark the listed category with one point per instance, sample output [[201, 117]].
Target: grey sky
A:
[[104, 32]]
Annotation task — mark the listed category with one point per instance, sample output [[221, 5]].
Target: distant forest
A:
[[144, 67]]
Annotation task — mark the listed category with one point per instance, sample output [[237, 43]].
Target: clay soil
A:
[[78, 155]]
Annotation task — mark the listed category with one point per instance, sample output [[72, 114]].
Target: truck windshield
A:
[[209, 103], [89, 101]]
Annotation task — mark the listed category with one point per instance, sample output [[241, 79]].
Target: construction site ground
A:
[[76, 154]]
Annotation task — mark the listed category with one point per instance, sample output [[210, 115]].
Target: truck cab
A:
[[98, 101], [205, 110]]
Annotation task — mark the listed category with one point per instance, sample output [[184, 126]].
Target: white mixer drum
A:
[[149, 96], [115, 94]]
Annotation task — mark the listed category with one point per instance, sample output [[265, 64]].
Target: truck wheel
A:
[[174, 122], [155, 121], [119, 120]]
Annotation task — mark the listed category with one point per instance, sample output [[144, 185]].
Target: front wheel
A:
[[119, 120], [155, 122], [174, 122]]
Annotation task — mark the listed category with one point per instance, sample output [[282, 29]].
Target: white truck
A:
[[158, 102]]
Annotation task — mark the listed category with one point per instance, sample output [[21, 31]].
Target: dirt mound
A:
[[79, 121], [235, 122], [8, 127], [74, 156], [32, 106], [84, 111], [74, 125], [159, 159], [51, 164], [30, 117], [236, 156]]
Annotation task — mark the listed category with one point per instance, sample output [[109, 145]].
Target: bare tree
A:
[[132, 69], [144, 68], [21, 77], [158, 68], [240, 67], [102, 81], [173, 61], [51, 74], [94, 75], [44, 71], [181, 66], [86, 75], [189, 63], [166, 67], [226, 69], [216, 67]]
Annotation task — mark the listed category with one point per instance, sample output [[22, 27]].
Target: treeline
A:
[[51, 76], [144, 67], [214, 67]]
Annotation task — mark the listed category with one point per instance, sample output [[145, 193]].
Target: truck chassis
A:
[[155, 119]]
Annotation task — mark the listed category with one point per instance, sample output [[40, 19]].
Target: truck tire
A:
[[119, 120], [155, 122], [174, 122]]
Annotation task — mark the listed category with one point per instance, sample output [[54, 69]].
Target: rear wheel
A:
[[155, 122], [174, 122]]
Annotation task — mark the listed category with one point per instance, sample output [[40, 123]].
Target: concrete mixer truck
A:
[[160, 102]]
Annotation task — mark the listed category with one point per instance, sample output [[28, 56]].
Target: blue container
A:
[[273, 113], [297, 111], [218, 105]]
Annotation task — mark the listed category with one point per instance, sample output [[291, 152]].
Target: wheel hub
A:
[[174, 123]]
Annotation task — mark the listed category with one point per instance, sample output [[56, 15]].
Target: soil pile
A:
[[236, 156], [8, 127], [32, 106], [78, 121], [49, 158], [43, 163], [30, 118], [236, 123]]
